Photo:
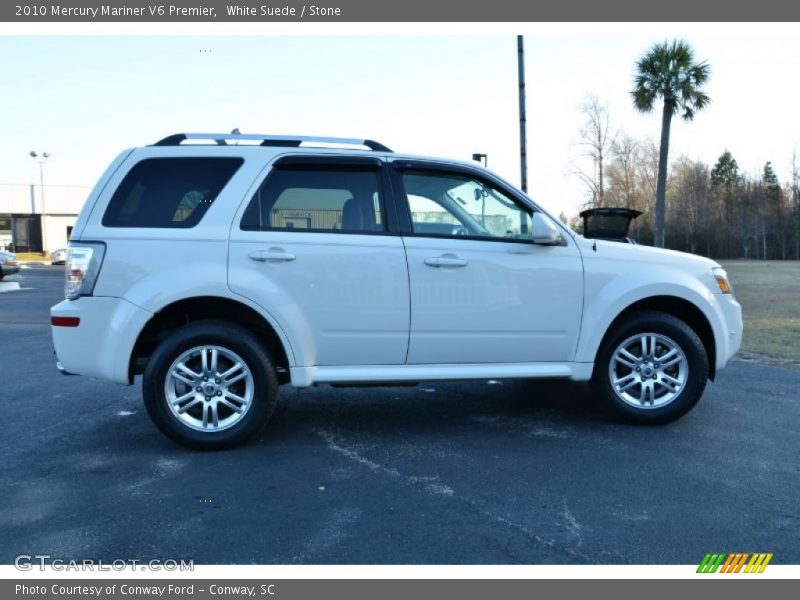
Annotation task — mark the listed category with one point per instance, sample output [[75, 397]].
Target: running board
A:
[[377, 374]]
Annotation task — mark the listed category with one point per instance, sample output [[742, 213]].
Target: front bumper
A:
[[9, 270], [102, 343], [729, 339], [60, 367]]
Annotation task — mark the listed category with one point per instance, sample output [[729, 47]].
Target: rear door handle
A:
[[273, 255], [446, 261]]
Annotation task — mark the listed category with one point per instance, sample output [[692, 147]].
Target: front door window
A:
[[450, 204]]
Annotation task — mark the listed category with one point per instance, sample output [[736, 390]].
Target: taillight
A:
[[82, 267], [65, 321]]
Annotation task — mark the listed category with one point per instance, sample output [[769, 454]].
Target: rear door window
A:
[[169, 192], [345, 200]]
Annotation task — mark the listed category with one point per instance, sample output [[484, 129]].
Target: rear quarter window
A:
[[169, 192]]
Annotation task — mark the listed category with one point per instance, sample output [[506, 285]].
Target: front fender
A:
[[608, 294]]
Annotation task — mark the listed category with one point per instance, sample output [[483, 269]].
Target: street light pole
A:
[[41, 159]]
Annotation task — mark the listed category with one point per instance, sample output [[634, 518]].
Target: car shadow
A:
[[435, 405]]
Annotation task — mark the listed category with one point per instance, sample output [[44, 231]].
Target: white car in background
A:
[[220, 266], [58, 257], [8, 264]]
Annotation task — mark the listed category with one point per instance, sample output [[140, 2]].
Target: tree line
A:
[[715, 210]]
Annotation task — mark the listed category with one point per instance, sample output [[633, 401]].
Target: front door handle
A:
[[446, 261], [273, 255]]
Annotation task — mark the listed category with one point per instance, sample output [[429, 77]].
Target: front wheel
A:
[[210, 385], [652, 369]]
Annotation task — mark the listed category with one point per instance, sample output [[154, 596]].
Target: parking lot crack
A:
[[433, 485], [571, 525], [538, 539], [430, 484], [337, 444]]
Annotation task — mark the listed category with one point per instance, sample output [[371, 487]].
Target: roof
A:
[[291, 141]]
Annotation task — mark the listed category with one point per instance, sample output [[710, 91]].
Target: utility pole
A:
[[523, 153], [796, 204], [41, 159]]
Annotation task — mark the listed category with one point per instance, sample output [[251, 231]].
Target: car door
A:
[[481, 290], [315, 247]]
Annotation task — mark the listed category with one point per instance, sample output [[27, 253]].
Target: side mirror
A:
[[544, 231]]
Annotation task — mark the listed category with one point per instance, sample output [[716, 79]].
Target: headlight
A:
[[722, 280]]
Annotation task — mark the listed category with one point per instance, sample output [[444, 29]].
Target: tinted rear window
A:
[[169, 192]]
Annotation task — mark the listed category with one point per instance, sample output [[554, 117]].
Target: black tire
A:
[[678, 332], [231, 337]]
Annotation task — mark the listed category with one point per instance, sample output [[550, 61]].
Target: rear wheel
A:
[[652, 368], [210, 385]]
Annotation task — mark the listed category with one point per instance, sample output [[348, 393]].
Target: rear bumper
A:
[[9, 270], [102, 343]]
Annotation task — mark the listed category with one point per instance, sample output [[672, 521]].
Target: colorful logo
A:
[[735, 562]]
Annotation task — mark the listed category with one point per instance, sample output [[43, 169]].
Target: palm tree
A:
[[669, 72]]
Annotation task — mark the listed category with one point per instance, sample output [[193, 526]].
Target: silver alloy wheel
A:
[[209, 388], [648, 370]]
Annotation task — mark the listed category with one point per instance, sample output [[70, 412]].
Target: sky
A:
[[85, 98]]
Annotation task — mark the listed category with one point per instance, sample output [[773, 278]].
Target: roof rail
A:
[[223, 139]]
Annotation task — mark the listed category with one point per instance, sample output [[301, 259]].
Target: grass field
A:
[[769, 292], [31, 257]]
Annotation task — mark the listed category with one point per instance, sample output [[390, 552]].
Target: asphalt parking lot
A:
[[477, 472]]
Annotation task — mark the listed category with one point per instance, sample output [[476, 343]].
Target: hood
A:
[[641, 254]]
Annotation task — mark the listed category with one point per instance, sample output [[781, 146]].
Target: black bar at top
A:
[[516, 11]]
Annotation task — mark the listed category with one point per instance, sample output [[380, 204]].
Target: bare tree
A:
[[622, 171], [631, 179], [647, 161], [595, 143], [689, 188]]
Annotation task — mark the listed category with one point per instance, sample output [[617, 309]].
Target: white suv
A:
[[222, 266]]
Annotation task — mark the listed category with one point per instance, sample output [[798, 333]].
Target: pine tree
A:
[[774, 195], [724, 180]]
